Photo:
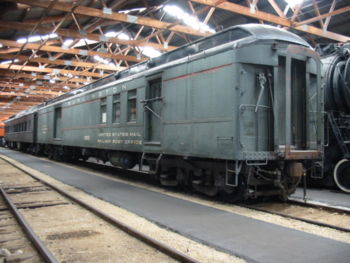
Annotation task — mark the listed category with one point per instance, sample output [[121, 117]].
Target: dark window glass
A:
[[57, 123], [116, 108], [132, 105]]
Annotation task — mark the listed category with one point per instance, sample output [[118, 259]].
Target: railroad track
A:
[[44, 252], [270, 208], [13, 248], [311, 203]]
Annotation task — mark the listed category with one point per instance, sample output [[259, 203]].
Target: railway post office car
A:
[[237, 113]]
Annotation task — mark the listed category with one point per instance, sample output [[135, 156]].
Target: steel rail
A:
[[310, 203], [310, 221], [171, 252], [39, 245]]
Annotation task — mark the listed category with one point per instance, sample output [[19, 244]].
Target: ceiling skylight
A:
[[36, 38], [293, 3], [150, 52], [187, 19], [141, 9], [80, 43], [9, 61], [104, 61]]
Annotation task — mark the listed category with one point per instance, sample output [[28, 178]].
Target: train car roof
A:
[[240, 32], [271, 32]]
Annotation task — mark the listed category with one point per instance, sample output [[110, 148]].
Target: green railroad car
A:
[[239, 113]]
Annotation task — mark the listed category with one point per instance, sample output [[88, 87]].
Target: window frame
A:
[[103, 105], [131, 98], [116, 101]]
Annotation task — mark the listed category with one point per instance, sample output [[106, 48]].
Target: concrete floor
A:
[[251, 239]]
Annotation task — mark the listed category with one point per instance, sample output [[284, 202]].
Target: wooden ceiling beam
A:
[[317, 11], [277, 8], [109, 14], [52, 70], [55, 71], [49, 19], [17, 106], [320, 17], [15, 87], [39, 83], [8, 113], [81, 35], [35, 94], [32, 92], [63, 62], [74, 51], [34, 76], [243, 10], [9, 51]]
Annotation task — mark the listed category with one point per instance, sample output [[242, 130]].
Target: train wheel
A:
[[341, 175], [234, 194]]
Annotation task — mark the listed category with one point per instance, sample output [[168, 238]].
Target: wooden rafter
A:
[[328, 14], [46, 84], [62, 62], [74, 51], [49, 20], [33, 76], [317, 11], [277, 8], [82, 35], [33, 94], [16, 87], [328, 19], [22, 103], [27, 90], [108, 14], [243, 10], [52, 70]]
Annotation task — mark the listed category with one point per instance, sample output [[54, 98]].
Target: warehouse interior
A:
[[197, 131], [48, 48]]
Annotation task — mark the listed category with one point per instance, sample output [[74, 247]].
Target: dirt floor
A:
[[316, 214], [75, 235]]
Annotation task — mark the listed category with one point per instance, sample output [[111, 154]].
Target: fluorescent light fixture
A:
[[36, 38], [141, 9], [111, 34], [6, 62], [293, 3], [150, 52], [67, 42], [120, 35], [123, 36], [81, 42], [187, 19], [52, 81], [104, 61]]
